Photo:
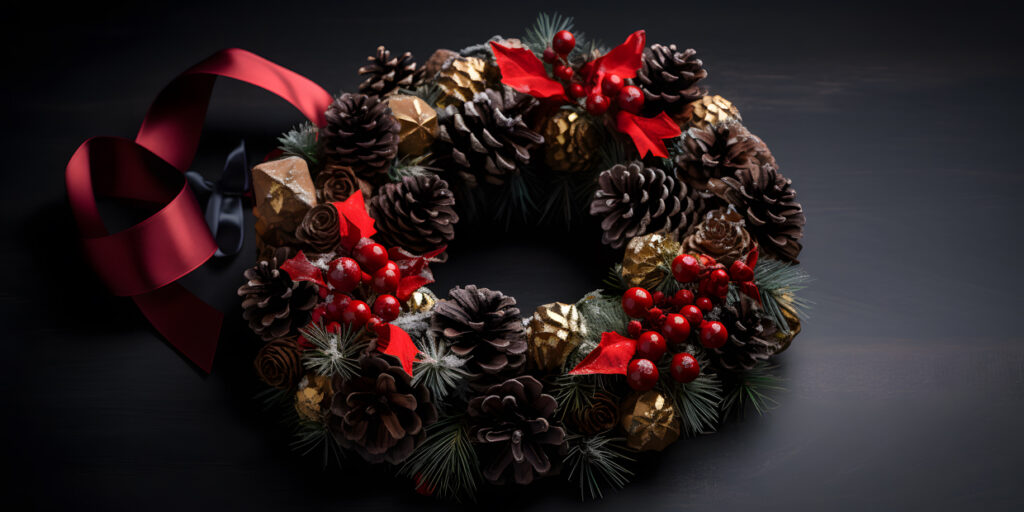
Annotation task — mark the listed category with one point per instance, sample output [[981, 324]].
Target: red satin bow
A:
[[144, 261]]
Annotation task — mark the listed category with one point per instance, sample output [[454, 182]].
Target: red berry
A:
[[713, 334], [633, 328], [334, 308], [719, 276], [387, 307], [611, 85], [550, 56], [676, 328], [563, 72], [704, 304], [685, 268], [739, 271], [631, 99], [386, 280], [577, 90], [597, 104], [371, 256], [636, 302], [334, 327], [319, 313], [651, 345], [356, 314], [343, 275], [684, 367], [641, 374], [692, 314], [383, 332], [373, 322], [658, 297], [682, 298], [654, 313], [563, 42]]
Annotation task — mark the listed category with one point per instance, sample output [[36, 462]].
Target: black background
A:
[[897, 124]]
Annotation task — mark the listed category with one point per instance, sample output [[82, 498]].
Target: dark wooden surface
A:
[[897, 123]]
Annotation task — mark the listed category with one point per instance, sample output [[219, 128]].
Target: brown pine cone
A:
[[361, 134], [512, 423], [379, 413], [415, 213], [717, 151], [602, 415], [668, 77], [768, 203], [272, 303], [320, 230], [720, 235], [633, 200], [437, 60], [386, 74], [483, 325], [337, 183], [751, 335], [279, 363], [487, 138]]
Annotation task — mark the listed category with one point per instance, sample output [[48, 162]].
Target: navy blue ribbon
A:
[[224, 201]]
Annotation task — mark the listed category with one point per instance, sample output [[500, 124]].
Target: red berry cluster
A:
[[711, 277], [656, 328], [369, 273], [599, 97]]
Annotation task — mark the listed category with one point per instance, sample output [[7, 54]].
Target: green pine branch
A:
[[438, 368], [539, 35], [303, 141], [446, 461], [755, 388], [333, 353], [697, 402], [597, 461], [779, 282], [312, 437]]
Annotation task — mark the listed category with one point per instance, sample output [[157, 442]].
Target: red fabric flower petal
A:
[[524, 72], [611, 356], [647, 132]]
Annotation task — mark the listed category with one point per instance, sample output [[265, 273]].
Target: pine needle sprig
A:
[[574, 393], [779, 283], [333, 353], [698, 401], [303, 141], [438, 368], [755, 387], [311, 436], [559, 202], [597, 461], [271, 398], [446, 461], [614, 282], [410, 166], [539, 35], [514, 200], [602, 312]]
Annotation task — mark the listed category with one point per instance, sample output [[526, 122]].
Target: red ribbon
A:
[[144, 261]]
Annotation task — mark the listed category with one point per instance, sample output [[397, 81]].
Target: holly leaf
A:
[[610, 357], [623, 60], [647, 132], [401, 346], [415, 270], [524, 72], [299, 268], [355, 223]]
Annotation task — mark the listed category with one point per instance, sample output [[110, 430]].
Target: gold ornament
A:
[[553, 332], [643, 258], [461, 78], [570, 142], [650, 421], [421, 300], [284, 192], [794, 328], [313, 397], [437, 61], [417, 121], [713, 110]]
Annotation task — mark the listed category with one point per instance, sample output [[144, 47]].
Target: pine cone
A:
[[415, 213], [272, 302], [602, 415], [379, 413], [717, 151], [669, 78], [512, 422], [487, 137], [485, 326], [337, 183], [751, 335], [279, 363], [361, 134], [768, 203], [720, 235], [385, 74], [633, 200], [461, 78], [320, 230]]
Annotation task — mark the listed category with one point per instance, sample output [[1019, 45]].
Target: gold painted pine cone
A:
[[644, 257], [650, 421], [462, 77], [570, 142], [713, 111], [553, 332]]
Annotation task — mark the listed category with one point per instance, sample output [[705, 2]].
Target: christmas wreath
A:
[[458, 390]]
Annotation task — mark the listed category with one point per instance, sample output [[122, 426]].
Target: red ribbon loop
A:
[[145, 260]]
